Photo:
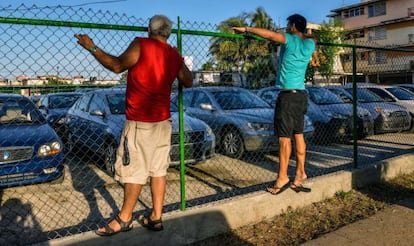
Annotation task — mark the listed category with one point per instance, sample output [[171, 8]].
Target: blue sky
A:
[[207, 11], [203, 12]]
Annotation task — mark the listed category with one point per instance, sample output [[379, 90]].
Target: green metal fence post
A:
[[181, 127], [354, 104]]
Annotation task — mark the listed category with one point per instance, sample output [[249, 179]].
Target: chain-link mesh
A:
[[229, 143]]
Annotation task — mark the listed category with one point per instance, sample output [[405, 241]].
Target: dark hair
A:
[[299, 21]]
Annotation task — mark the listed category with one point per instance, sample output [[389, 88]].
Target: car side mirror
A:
[[97, 112], [207, 106]]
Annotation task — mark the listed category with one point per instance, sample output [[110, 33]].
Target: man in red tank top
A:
[[152, 66]]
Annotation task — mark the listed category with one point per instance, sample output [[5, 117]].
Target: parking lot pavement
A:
[[392, 226], [88, 196]]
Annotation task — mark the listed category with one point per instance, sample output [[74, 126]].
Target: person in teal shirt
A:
[[296, 50]]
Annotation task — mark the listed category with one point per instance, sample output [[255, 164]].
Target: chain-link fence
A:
[[52, 189]]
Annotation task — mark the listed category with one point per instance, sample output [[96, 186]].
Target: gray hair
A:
[[160, 25]]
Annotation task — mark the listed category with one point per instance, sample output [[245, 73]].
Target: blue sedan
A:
[[30, 150]]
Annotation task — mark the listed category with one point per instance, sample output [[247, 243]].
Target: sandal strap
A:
[[108, 229], [153, 222], [124, 225]]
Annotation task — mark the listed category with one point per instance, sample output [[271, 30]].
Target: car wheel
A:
[[232, 143], [110, 158]]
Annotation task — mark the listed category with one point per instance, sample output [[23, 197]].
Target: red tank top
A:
[[150, 80]]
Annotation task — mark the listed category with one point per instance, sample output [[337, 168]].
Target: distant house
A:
[[381, 23]]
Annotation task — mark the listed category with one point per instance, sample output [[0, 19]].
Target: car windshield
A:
[[19, 111], [173, 107], [229, 100], [346, 98], [366, 96], [400, 93], [62, 101], [323, 96], [116, 103]]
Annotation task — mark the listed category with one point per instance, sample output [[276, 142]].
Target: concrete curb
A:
[[202, 222]]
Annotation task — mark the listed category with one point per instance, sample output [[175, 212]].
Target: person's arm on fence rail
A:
[[126, 60], [278, 37], [116, 64]]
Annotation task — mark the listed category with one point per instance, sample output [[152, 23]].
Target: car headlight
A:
[[60, 121], [209, 131], [260, 126], [382, 111], [49, 149]]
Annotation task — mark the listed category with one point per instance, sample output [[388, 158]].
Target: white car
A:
[[393, 94]]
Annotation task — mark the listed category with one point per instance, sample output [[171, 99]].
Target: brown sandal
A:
[[125, 226], [147, 222]]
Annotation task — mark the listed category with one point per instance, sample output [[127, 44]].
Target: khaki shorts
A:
[[149, 147]]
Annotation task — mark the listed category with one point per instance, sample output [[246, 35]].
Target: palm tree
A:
[[250, 56]]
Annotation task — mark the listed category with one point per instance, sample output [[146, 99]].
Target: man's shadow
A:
[[87, 181], [18, 225]]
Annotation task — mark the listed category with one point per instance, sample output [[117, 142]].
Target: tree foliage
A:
[[247, 55], [329, 32]]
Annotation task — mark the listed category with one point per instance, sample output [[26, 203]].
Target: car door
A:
[[96, 127], [77, 120], [201, 107]]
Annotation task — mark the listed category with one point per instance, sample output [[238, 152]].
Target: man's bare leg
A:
[[131, 195], [300, 174], [285, 149], [158, 192]]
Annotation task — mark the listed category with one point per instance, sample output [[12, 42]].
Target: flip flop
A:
[[279, 190], [300, 188]]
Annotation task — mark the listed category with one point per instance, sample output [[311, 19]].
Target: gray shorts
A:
[[148, 146]]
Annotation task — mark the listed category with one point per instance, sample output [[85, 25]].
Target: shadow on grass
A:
[[399, 190]]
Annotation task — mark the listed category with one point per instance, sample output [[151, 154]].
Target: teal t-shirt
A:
[[294, 58]]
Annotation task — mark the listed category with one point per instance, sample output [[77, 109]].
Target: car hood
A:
[[263, 115], [190, 123], [58, 111], [26, 135], [408, 104], [343, 109]]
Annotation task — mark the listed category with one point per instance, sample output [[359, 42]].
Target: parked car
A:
[[95, 122], [54, 107], [388, 117], [392, 94], [30, 150], [333, 105], [241, 121], [331, 123], [409, 87]]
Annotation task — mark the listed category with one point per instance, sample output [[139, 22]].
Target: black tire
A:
[[109, 158], [232, 143]]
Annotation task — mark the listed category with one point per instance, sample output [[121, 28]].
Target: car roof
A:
[[217, 88], [63, 93], [9, 95], [108, 90]]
